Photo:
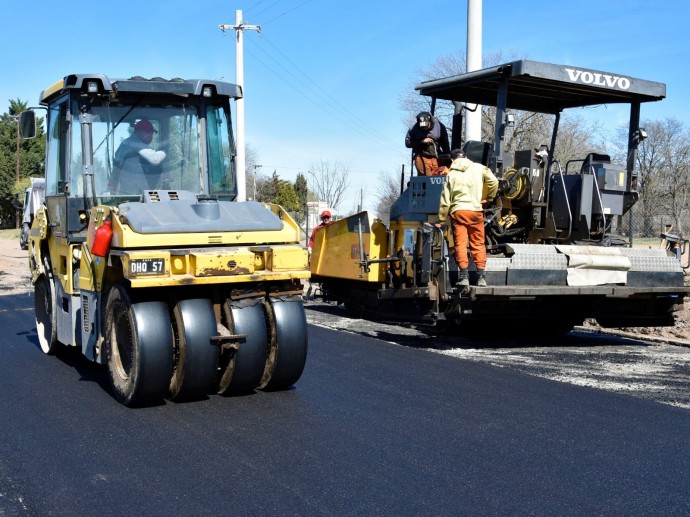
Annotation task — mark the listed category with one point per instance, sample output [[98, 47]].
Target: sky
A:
[[323, 79]]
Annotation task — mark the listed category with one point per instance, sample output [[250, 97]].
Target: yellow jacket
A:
[[465, 188]]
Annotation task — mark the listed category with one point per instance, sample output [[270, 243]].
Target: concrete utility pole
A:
[[254, 194], [18, 213], [473, 119], [240, 27]]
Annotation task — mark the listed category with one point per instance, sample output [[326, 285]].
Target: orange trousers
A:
[[469, 225], [426, 166]]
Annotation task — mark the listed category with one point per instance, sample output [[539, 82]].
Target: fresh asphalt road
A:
[[372, 428]]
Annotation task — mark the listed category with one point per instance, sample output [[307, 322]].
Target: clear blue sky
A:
[[324, 79]]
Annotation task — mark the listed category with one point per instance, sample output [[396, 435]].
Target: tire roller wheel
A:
[[195, 360], [45, 309], [288, 352], [243, 370], [138, 348]]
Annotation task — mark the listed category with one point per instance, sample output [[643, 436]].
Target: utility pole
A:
[[18, 223], [255, 167], [473, 119], [239, 28]]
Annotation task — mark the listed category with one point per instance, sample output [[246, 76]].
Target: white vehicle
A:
[[33, 200]]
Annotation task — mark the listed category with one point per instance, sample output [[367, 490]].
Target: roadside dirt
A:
[[14, 268], [681, 329]]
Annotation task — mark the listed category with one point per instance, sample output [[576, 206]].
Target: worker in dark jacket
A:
[[428, 139]]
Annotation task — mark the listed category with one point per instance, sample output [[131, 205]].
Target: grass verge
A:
[[10, 234]]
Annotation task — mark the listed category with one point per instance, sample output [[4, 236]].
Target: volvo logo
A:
[[597, 79]]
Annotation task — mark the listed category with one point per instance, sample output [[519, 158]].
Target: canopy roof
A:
[[543, 87]]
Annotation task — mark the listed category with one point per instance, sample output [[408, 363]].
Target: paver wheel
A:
[[138, 347], [288, 343], [195, 354], [244, 370]]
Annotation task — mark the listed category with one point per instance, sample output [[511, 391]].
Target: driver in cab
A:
[[136, 164]]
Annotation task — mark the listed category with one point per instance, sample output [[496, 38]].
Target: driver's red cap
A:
[[145, 125]]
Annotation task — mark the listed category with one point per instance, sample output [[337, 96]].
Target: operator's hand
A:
[[153, 157]]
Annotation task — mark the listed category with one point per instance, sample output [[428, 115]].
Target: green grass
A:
[[646, 242], [8, 235]]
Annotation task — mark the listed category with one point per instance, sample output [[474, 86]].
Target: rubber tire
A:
[[45, 309], [142, 334], [196, 356], [289, 343], [247, 317]]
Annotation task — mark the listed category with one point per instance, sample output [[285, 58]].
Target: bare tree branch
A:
[[330, 182], [663, 180], [388, 191]]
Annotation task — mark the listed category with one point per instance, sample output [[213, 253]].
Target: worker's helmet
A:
[[425, 120]]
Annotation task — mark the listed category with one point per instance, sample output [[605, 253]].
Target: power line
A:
[[263, 10], [326, 96], [308, 83], [319, 97], [288, 12], [250, 9], [327, 105]]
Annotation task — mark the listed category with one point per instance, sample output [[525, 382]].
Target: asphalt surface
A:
[[372, 428], [640, 365]]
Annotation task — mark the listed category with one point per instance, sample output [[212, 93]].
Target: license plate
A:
[[146, 266]]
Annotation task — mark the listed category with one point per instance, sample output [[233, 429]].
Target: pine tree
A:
[[31, 154]]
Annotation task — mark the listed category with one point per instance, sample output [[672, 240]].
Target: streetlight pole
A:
[[240, 27], [473, 119]]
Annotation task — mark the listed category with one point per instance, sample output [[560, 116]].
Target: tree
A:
[[388, 192], [301, 188], [287, 198], [302, 191], [281, 192], [31, 155], [663, 181], [267, 188], [7, 178], [675, 183], [329, 182], [576, 139]]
